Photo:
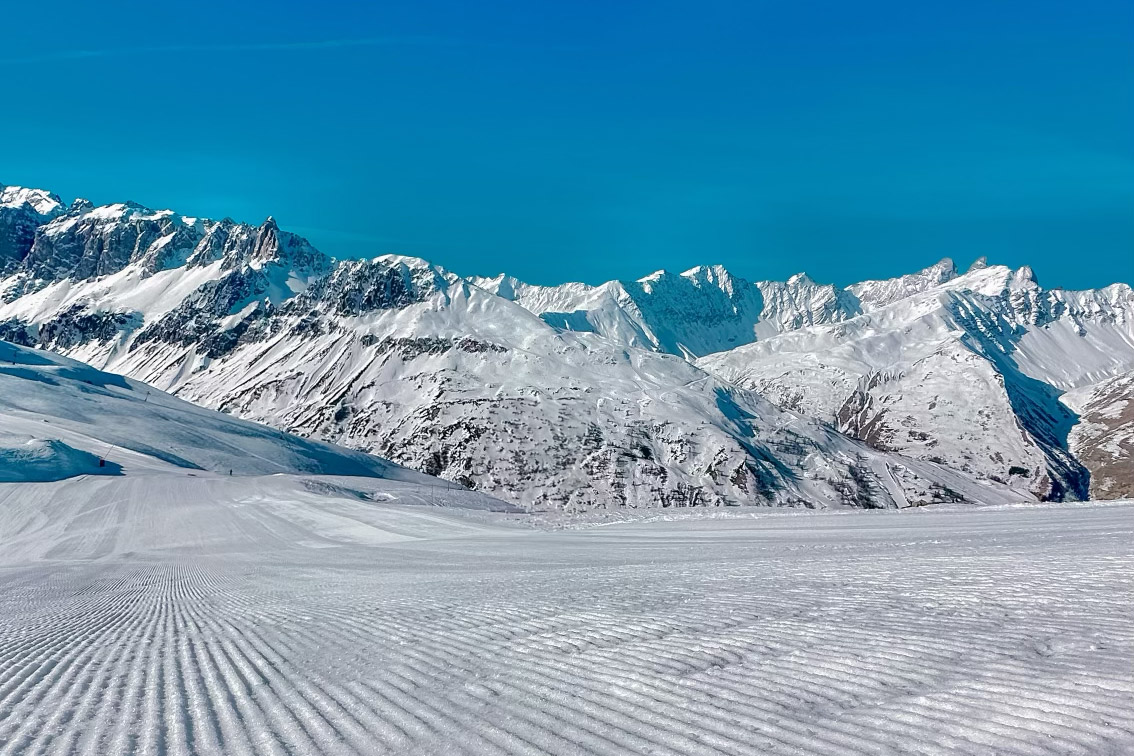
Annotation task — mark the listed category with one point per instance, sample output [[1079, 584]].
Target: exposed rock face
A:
[[22, 211], [931, 386], [89, 242], [1103, 440], [214, 316], [358, 286]]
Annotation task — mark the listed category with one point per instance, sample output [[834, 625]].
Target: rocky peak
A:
[[43, 203], [1023, 278], [267, 244], [502, 285], [88, 241], [240, 245], [800, 280], [941, 271], [356, 287], [800, 302], [22, 211], [715, 276], [875, 294]]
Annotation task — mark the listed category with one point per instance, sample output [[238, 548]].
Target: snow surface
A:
[[168, 607], [60, 416], [39, 201], [263, 615], [968, 371], [47, 459]]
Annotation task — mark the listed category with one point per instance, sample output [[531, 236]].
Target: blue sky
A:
[[593, 140]]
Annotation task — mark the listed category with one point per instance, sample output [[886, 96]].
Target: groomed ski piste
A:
[[311, 601]]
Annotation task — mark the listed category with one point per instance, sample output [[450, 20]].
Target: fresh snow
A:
[[167, 606], [41, 202]]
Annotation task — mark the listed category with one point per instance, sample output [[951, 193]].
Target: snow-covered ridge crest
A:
[[706, 309], [22, 211], [968, 372], [60, 418], [86, 242], [39, 201], [874, 294], [629, 393]]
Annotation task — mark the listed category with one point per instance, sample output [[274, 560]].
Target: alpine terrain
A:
[[178, 580], [697, 389]]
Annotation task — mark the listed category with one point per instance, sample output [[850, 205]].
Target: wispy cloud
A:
[[327, 44]]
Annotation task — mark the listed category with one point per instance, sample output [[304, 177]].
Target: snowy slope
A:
[[249, 615], [441, 376], [402, 359], [968, 372], [578, 396], [58, 417], [1104, 437], [703, 310]]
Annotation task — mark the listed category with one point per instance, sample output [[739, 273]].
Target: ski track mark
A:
[[1011, 635]]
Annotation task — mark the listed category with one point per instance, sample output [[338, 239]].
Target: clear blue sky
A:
[[592, 140]]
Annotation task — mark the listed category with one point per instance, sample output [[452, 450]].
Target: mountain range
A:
[[690, 389]]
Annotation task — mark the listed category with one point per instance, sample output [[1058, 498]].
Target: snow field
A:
[[270, 616]]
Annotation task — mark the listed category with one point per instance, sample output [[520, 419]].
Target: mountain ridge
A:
[[453, 375]]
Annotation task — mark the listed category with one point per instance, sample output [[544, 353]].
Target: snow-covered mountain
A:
[[969, 372], [703, 310], [22, 211], [60, 418], [639, 393], [1103, 440]]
